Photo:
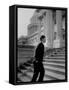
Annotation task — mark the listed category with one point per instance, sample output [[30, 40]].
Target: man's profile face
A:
[[44, 40]]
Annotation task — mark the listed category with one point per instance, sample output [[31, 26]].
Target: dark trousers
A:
[[38, 71]]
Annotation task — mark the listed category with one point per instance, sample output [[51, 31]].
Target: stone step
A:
[[50, 57], [56, 60], [56, 69], [55, 75], [24, 49], [25, 57], [58, 52], [50, 78], [54, 64], [25, 53], [58, 55]]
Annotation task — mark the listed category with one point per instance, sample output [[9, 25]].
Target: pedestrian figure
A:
[[38, 65]]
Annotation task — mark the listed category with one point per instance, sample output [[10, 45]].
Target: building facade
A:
[[50, 23], [22, 40]]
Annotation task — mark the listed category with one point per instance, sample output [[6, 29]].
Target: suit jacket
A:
[[39, 52]]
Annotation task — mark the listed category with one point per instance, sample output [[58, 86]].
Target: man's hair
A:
[[42, 37]]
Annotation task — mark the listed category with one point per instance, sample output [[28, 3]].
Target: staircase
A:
[[54, 65], [25, 53]]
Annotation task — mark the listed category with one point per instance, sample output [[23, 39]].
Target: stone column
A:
[[49, 28], [59, 27], [38, 33]]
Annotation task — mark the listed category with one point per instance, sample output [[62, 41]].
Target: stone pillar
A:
[[49, 28], [39, 32], [59, 27]]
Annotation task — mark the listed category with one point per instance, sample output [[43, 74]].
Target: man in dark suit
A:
[[38, 65]]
